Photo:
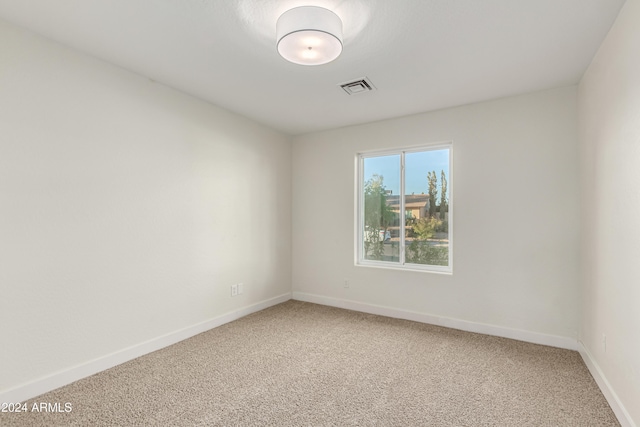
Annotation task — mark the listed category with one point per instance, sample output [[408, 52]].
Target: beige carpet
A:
[[301, 364]]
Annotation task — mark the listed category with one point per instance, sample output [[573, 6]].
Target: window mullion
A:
[[402, 214], [360, 211]]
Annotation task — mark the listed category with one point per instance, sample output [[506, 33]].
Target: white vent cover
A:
[[358, 86]]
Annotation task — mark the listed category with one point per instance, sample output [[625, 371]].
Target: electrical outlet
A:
[[346, 283], [234, 290], [240, 288]]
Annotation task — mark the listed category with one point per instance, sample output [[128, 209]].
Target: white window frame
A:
[[359, 213]]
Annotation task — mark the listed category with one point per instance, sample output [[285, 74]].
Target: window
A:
[[404, 209]]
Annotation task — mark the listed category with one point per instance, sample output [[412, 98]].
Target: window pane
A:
[[426, 207], [380, 220]]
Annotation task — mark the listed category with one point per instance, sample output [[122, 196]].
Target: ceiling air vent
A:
[[358, 86]]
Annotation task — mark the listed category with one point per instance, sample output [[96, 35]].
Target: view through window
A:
[[404, 208]]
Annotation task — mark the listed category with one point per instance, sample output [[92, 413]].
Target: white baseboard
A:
[[464, 325], [67, 376], [616, 405]]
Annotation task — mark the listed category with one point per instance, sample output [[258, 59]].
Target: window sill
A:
[[407, 267]]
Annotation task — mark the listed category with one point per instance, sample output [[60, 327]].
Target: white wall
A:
[[609, 105], [127, 209], [516, 215]]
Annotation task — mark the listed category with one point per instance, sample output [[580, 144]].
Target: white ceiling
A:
[[421, 55]]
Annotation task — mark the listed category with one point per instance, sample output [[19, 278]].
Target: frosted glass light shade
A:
[[309, 35]]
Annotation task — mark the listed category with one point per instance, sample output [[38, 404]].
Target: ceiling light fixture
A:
[[309, 35]]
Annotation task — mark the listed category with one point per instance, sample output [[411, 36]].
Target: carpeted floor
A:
[[301, 364]]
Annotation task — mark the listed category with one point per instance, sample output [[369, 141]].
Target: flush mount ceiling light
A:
[[309, 35]]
